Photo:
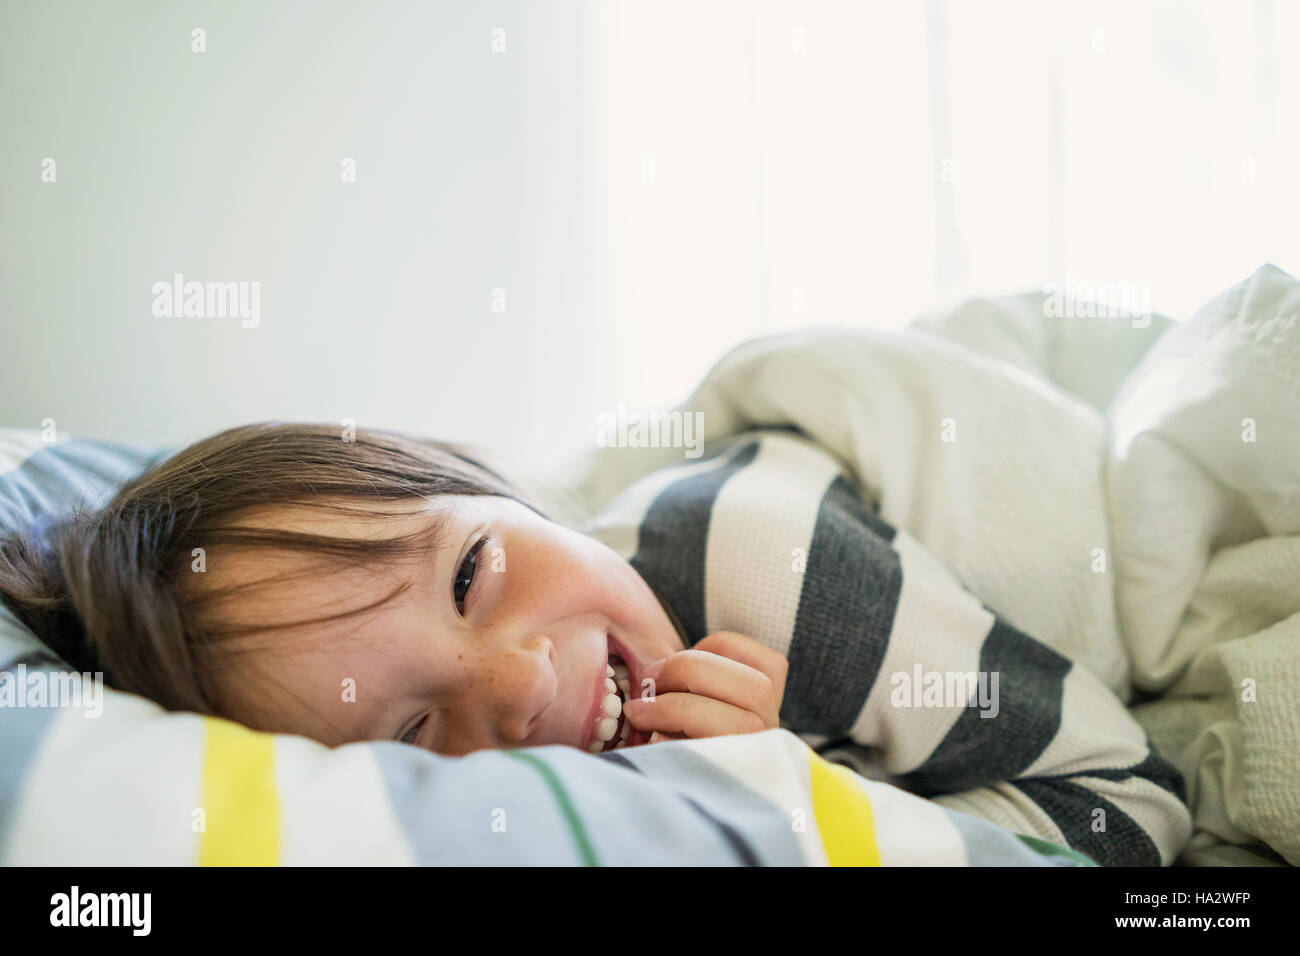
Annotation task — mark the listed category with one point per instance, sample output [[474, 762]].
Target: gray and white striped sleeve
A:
[[887, 649]]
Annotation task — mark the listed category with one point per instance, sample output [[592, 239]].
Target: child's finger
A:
[[691, 715], [746, 650], [710, 675]]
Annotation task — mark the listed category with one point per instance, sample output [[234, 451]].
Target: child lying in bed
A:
[[396, 588]]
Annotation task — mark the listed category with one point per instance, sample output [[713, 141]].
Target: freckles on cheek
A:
[[477, 675]]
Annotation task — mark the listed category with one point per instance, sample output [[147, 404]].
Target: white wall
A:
[[473, 173]]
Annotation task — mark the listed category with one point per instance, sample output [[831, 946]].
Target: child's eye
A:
[[410, 735], [465, 576]]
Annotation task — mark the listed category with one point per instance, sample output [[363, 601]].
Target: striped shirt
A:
[[769, 536]]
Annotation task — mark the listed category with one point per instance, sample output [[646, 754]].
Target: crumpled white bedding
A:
[[1140, 536], [1204, 480]]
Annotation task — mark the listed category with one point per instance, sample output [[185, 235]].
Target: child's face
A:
[[502, 640]]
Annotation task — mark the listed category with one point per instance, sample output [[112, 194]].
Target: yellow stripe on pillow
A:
[[844, 817], [241, 808]]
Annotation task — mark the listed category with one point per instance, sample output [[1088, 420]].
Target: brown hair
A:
[[107, 590]]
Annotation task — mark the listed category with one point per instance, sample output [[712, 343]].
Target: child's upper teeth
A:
[[612, 705], [606, 727]]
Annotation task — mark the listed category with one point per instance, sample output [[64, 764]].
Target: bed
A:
[[1196, 601]]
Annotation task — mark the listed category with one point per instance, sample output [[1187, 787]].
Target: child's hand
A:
[[725, 684]]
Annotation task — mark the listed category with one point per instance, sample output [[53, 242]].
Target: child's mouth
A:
[[612, 729]]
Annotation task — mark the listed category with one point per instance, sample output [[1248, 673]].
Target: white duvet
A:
[[1134, 506]]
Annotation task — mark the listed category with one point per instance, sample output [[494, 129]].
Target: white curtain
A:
[[770, 165]]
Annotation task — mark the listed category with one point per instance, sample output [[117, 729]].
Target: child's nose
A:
[[523, 686]]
